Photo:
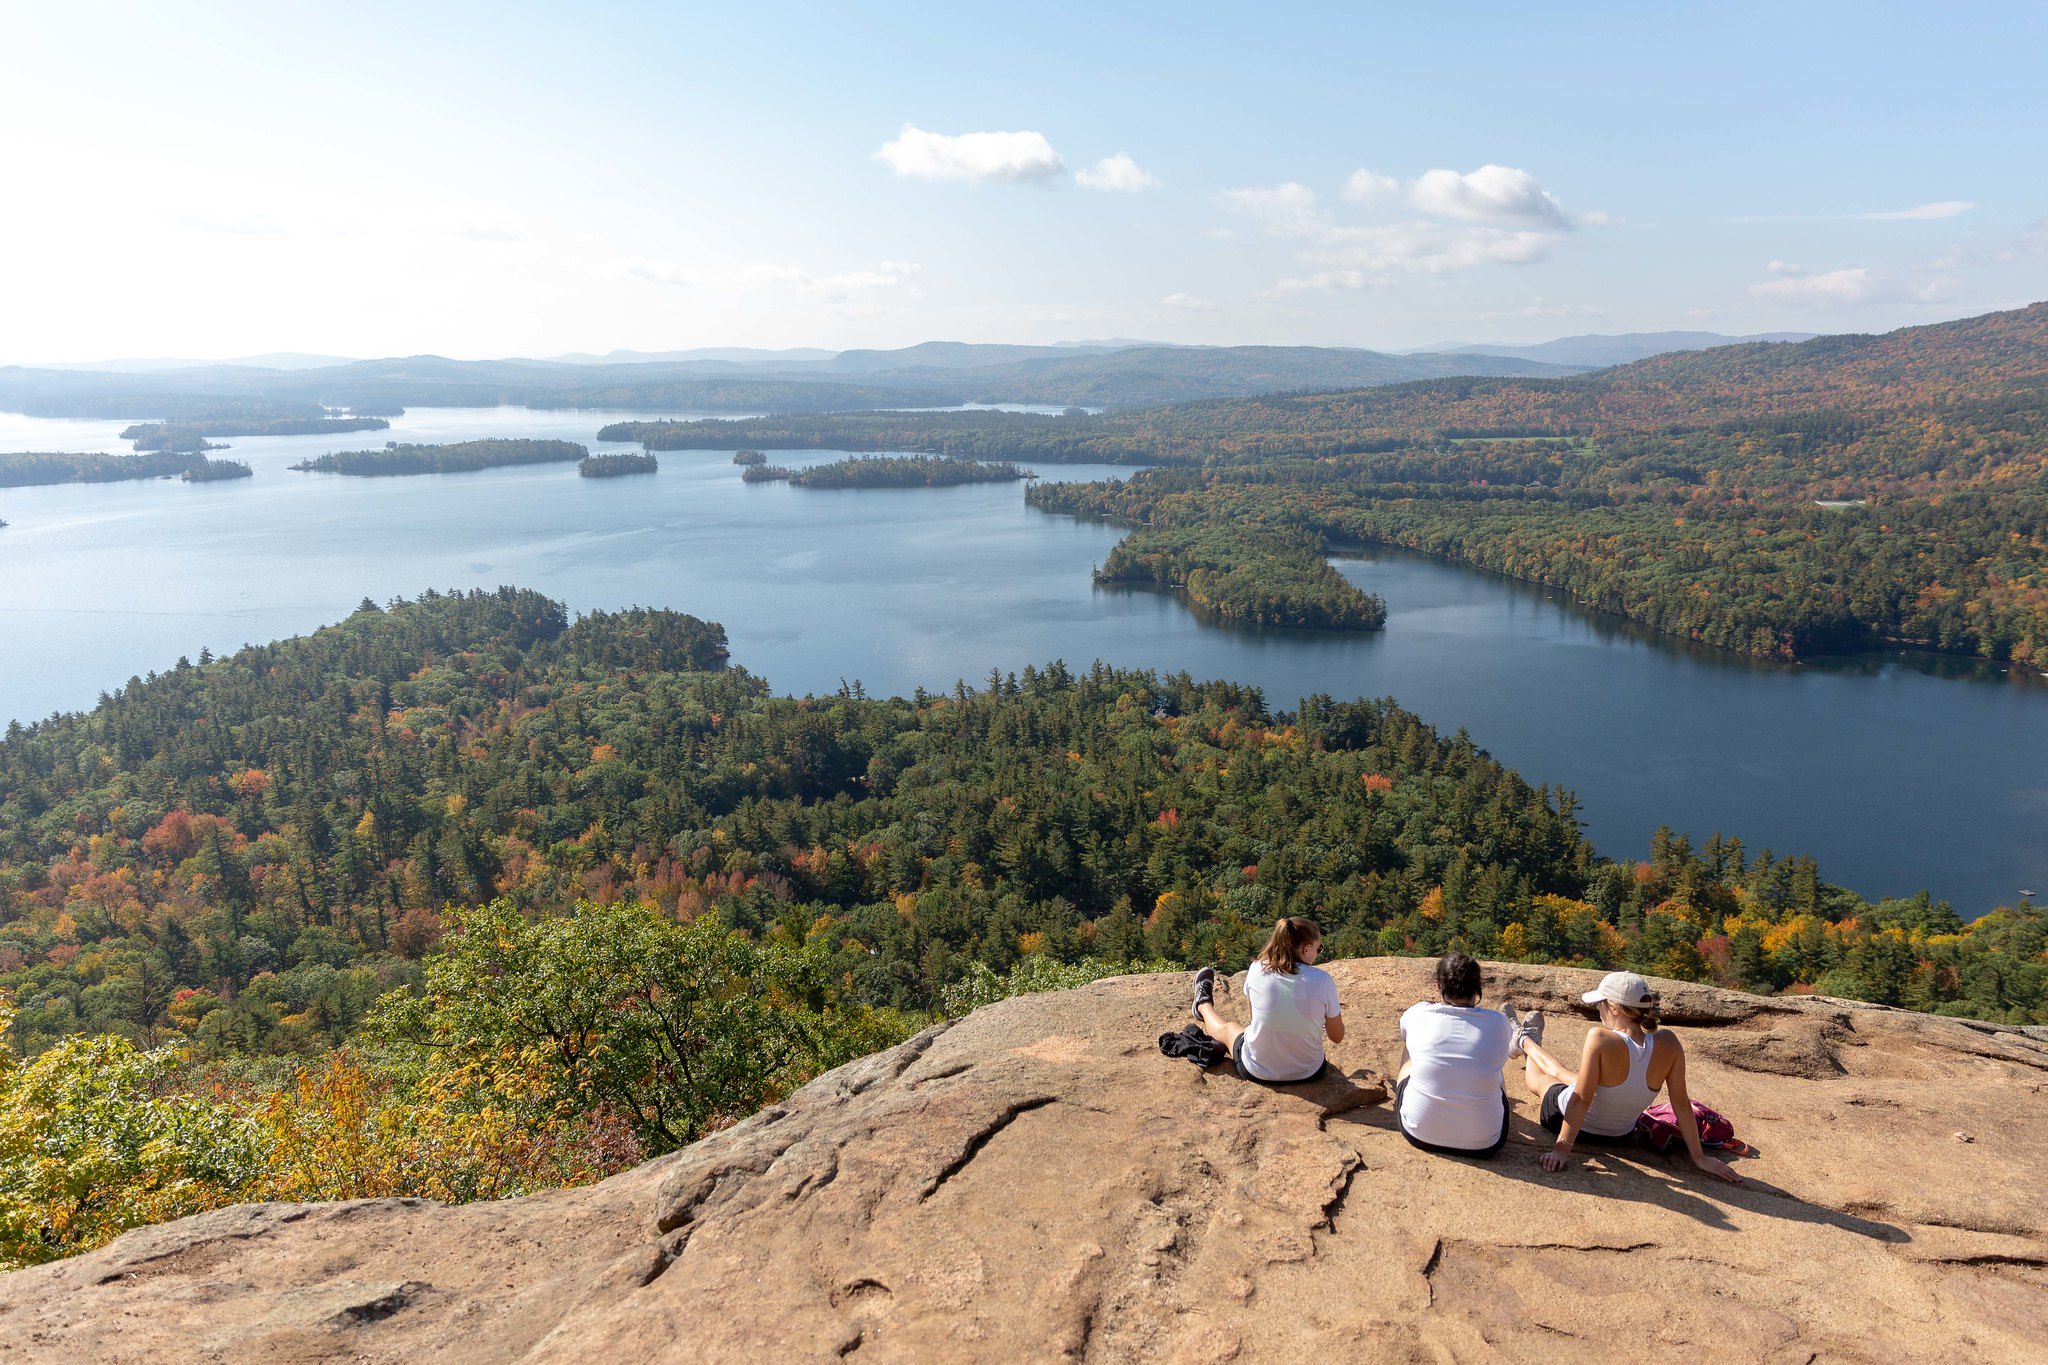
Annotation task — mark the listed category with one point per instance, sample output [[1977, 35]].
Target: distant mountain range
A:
[[1598, 350], [269, 360], [1107, 374]]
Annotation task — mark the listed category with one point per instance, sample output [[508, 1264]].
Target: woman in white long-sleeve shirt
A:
[[1448, 1094]]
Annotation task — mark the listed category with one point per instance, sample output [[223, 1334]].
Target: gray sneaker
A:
[[1528, 1029]]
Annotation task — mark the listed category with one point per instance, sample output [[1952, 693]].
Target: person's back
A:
[[1285, 1039], [1456, 1052], [1448, 1095], [1294, 1007], [1614, 1108]]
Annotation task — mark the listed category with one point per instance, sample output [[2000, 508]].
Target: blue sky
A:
[[221, 179]]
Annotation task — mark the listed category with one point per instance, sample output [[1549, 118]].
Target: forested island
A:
[[614, 466], [900, 471], [300, 922], [453, 458], [31, 468], [1281, 579], [193, 435], [1680, 492], [747, 457]]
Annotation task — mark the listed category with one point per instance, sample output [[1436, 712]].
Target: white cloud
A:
[[1600, 218], [251, 224], [1846, 288], [1490, 194], [1117, 172], [759, 277], [1015, 157], [484, 230], [650, 271], [1425, 248], [1945, 208], [1289, 210], [1367, 256], [1540, 309], [1188, 303], [885, 275], [1366, 186]]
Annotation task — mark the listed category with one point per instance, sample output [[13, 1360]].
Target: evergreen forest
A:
[[461, 896]]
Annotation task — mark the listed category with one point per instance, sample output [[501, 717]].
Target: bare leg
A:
[[1544, 1070], [1215, 1026]]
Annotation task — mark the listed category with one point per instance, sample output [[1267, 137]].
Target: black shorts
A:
[[1552, 1118], [1481, 1153], [1237, 1065]]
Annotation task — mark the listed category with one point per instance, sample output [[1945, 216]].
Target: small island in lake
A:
[[454, 458], [891, 471], [31, 468], [613, 466], [749, 457]]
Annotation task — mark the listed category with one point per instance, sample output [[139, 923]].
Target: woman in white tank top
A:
[[1627, 1060]]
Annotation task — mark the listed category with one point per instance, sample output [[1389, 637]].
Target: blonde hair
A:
[[1649, 1014], [1291, 934]]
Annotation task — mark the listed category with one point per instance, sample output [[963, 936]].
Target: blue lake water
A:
[[1896, 772]]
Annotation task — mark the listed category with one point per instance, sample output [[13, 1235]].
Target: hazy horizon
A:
[[227, 179], [304, 360]]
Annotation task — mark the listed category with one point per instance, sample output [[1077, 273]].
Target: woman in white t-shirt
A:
[[1448, 1095], [1294, 1005]]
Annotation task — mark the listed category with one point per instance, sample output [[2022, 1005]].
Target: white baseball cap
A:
[[1622, 988]]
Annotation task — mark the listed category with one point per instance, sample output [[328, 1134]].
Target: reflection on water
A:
[[1896, 771]]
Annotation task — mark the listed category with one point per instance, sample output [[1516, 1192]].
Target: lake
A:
[[1896, 771]]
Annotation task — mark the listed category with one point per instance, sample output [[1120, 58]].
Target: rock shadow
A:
[[1636, 1175]]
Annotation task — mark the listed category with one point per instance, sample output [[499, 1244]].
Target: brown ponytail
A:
[[1650, 1013], [1291, 934]]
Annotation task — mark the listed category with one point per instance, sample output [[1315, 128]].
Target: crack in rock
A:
[[981, 1139]]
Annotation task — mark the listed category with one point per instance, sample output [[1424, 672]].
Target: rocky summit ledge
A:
[[1036, 1182]]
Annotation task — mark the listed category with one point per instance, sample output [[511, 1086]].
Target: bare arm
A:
[[1333, 1024], [1688, 1125], [1582, 1099]]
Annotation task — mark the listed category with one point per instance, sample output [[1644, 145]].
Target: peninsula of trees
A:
[[455, 457], [470, 880], [901, 471], [208, 471], [613, 466], [1281, 579]]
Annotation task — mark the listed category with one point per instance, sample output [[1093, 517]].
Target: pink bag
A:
[[1657, 1128]]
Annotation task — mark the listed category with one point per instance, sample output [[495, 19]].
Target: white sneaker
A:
[[1528, 1029]]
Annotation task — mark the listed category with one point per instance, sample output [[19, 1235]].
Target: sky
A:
[[223, 179]]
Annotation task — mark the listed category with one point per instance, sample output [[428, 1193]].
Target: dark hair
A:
[[1457, 977], [1291, 934]]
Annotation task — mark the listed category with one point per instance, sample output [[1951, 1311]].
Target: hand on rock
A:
[[1718, 1168], [1553, 1160]]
